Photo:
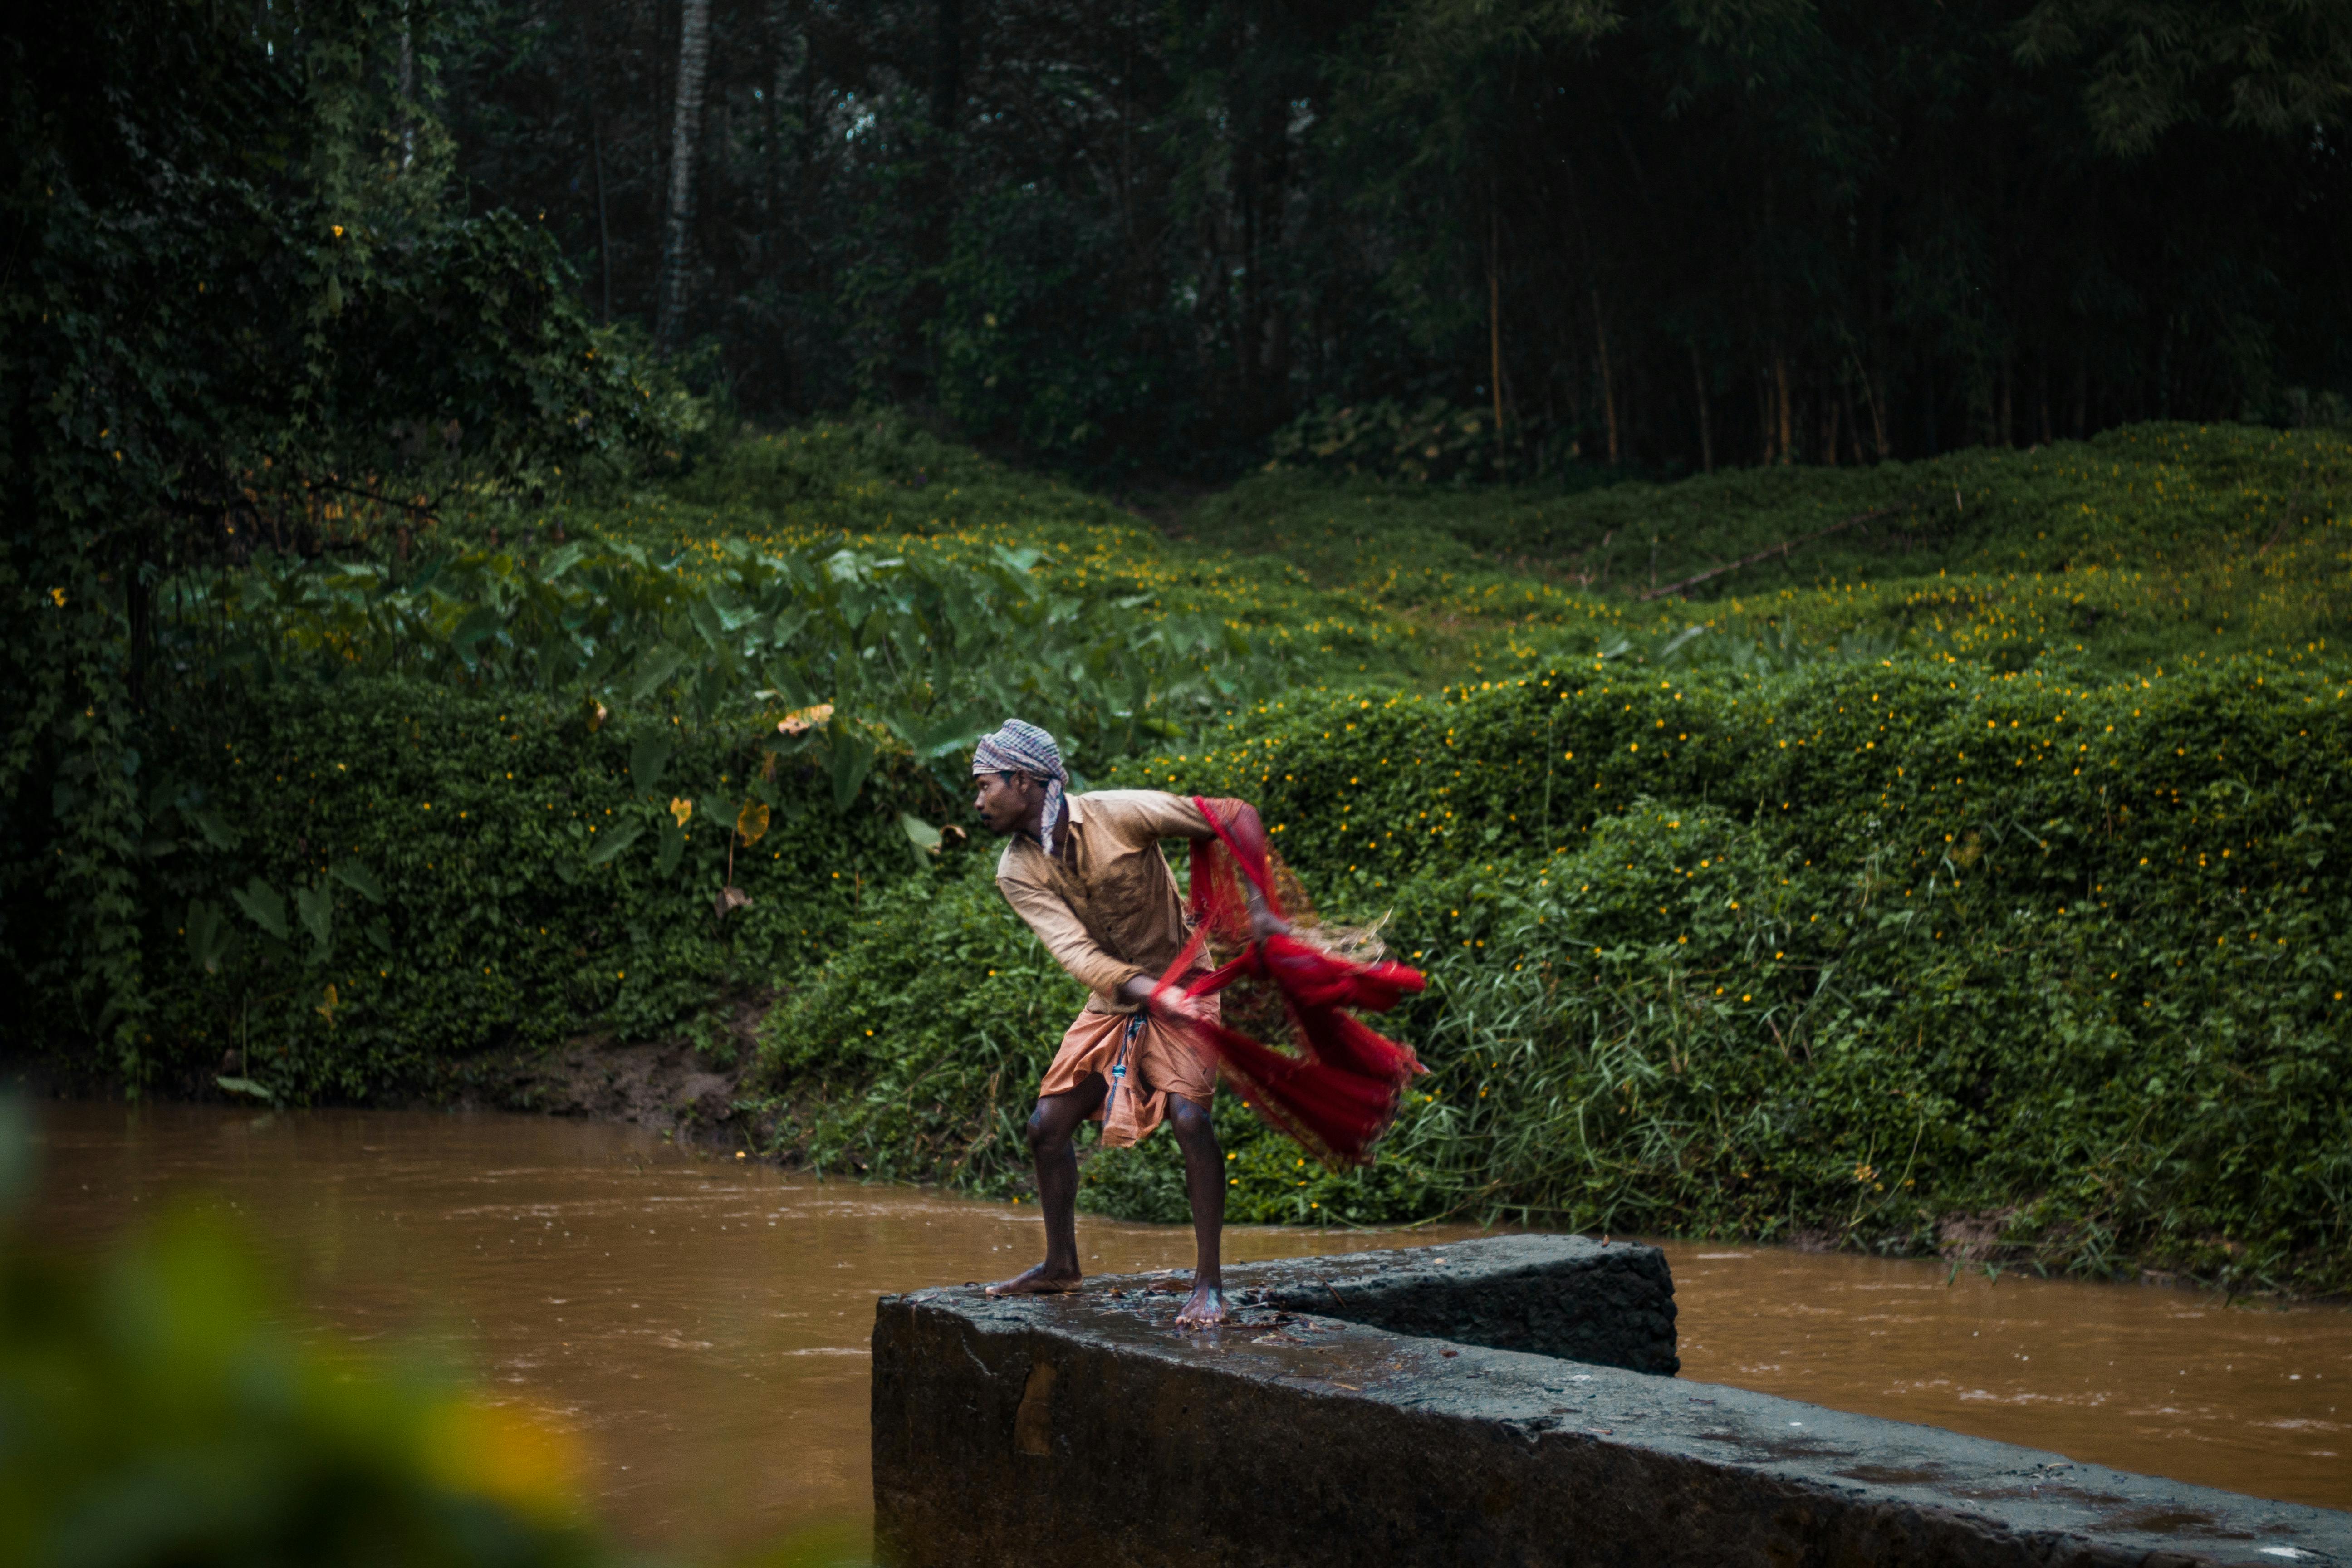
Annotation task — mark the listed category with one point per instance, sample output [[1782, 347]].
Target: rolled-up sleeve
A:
[[1064, 936]]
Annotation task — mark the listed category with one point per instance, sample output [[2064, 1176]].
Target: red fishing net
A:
[[1337, 1089]]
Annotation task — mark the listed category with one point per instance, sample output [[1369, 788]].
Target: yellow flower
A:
[[59, 595], [680, 808]]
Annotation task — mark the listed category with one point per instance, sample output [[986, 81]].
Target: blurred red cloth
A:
[[1340, 1090]]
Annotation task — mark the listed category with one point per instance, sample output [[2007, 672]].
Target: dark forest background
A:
[[1673, 233]]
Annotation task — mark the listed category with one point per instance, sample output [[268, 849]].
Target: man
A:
[[1087, 873]]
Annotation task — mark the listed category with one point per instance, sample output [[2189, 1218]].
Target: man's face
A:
[[1006, 802]]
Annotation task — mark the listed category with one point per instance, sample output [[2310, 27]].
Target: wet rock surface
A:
[[1611, 1304], [1083, 1429]]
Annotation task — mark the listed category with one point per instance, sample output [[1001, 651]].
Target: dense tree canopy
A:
[[237, 309], [1678, 232]]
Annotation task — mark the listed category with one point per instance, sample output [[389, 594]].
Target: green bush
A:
[[1856, 952], [364, 884]]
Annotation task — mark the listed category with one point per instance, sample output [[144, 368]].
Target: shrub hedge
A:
[[1863, 951], [416, 875]]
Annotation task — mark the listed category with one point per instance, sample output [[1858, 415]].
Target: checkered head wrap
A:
[[1022, 747]]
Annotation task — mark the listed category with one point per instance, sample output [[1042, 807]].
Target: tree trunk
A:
[[1495, 321], [603, 227], [693, 63], [407, 88], [1706, 429], [1608, 379], [947, 66], [1781, 384], [1877, 416]]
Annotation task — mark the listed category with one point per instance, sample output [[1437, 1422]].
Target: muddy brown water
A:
[[701, 1324]]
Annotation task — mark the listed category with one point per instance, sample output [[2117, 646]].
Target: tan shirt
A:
[[1109, 909]]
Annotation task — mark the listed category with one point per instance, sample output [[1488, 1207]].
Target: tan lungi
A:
[[1161, 1062]]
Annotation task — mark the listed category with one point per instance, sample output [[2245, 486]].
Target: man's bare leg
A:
[[1204, 1184], [1052, 1126]]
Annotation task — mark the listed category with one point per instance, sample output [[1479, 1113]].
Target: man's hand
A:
[[1263, 921], [1166, 1001]]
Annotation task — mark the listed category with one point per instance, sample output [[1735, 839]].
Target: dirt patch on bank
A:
[[669, 1086]]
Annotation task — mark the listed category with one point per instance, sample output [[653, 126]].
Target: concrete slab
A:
[[1611, 1304], [1085, 1430]]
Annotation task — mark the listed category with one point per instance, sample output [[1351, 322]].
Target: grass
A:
[[2149, 545]]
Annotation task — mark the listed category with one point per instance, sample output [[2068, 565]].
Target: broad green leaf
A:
[[316, 906], [673, 847], [707, 621], [853, 759], [613, 841], [264, 906], [647, 759], [481, 622], [653, 667], [921, 834], [562, 561], [211, 939], [359, 880]]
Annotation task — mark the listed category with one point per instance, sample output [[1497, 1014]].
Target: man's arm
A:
[[1065, 938], [1158, 814]]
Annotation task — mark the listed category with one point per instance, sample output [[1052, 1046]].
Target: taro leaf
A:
[[673, 847], [562, 561], [262, 906], [379, 934], [246, 1086], [853, 759], [359, 880], [654, 666], [707, 621], [921, 834], [316, 905], [953, 735], [751, 822], [647, 758], [216, 829], [787, 626], [211, 939], [613, 841], [607, 659], [481, 622]]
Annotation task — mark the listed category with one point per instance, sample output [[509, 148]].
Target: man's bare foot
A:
[[1204, 1309], [1038, 1281]]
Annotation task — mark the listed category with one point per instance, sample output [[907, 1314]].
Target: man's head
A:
[[1009, 803], [1020, 778]]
